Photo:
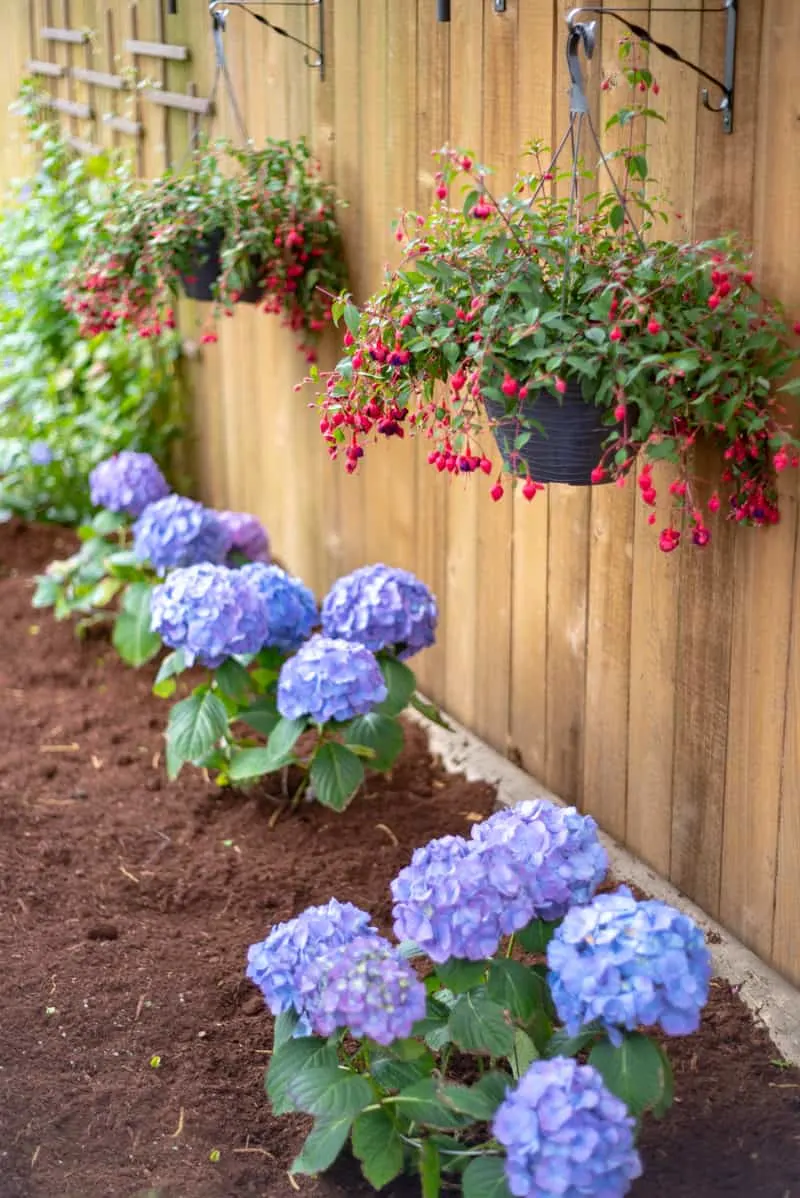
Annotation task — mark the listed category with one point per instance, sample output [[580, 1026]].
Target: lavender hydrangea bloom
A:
[[281, 965], [330, 680], [127, 482], [629, 964], [556, 848], [291, 606], [247, 536], [381, 607], [565, 1134], [368, 987], [176, 532], [210, 612], [40, 453]]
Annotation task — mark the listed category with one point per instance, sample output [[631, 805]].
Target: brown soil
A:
[[131, 1047]]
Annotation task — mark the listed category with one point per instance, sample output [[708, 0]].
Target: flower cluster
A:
[[330, 679], [176, 532], [210, 612], [628, 964], [281, 965], [459, 897], [40, 453], [381, 607], [564, 1133], [127, 482], [290, 605], [367, 987], [247, 536]]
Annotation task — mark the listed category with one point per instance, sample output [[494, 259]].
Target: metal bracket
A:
[[578, 34], [220, 10], [499, 5], [443, 8]]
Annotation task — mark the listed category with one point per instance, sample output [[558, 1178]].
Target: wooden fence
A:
[[661, 693]]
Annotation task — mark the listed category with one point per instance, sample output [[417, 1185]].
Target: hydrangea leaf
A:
[[481, 1100], [516, 987], [525, 1052], [132, 637], [325, 1141], [421, 1103], [290, 1059], [430, 711], [282, 739], [460, 975], [400, 683], [46, 592], [391, 1074], [485, 1177], [195, 725], [377, 1145], [248, 764], [380, 733], [536, 936], [563, 1045], [233, 679], [637, 1072], [285, 1025], [262, 716], [336, 775], [330, 1092], [478, 1024], [172, 665]]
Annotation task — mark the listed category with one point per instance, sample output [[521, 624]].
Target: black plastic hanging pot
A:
[[569, 445], [199, 278]]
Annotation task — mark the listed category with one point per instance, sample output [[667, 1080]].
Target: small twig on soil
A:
[[129, 875], [276, 815], [293, 1183], [262, 1151], [179, 1128], [389, 833], [73, 748], [35, 1156], [139, 1006]]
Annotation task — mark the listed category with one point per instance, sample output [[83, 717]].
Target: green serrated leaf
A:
[[379, 733], [430, 711], [336, 775], [524, 1054], [422, 1104], [290, 1059], [478, 1024], [377, 1145], [133, 638], [637, 1072], [485, 1177], [282, 740], [516, 987], [172, 665], [285, 1025], [400, 683], [195, 725], [460, 975], [262, 716], [233, 679], [481, 1100], [330, 1092], [325, 1141], [248, 764], [536, 936]]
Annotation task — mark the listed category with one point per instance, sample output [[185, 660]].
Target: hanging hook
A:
[[219, 16], [580, 35]]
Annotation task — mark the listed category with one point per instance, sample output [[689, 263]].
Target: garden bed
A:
[[131, 1047]]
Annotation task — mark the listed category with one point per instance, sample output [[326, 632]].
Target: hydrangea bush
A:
[[327, 705], [515, 1062]]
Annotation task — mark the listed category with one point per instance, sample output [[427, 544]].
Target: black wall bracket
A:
[[443, 8], [586, 36], [315, 55]]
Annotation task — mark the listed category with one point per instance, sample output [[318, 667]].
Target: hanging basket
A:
[[569, 446], [199, 280]]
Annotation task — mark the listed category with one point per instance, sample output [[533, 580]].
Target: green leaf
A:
[[430, 1170], [352, 318], [637, 1072], [248, 764], [377, 1145], [536, 936], [516, 987], [233, 679], [336, 775], [485, 1177], [325, 1141], [285, 1025], [103, 593], [459, 975], [132, 637], [46, 593], [330, 1092], [282, 740], [481, 1100], [195, 725], [400, 683], [524, 1054], [172, 665], [616, 217], [262, 716], [380, 733], [422, 1103], [290, 1059], [391, 1074], [477, 1024], [563, 1045], [430, 711]]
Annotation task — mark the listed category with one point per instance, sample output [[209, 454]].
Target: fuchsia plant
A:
[[514, 299]]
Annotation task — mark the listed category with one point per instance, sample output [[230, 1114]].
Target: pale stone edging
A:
[[770, 997]]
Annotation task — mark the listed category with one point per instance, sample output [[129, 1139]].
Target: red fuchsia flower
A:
[[669, 540], [797, 327], [405, 320], [349, 339], [561, 386], [598, 474], [701, 535], [653, 327], [651, 519], [441, 192], [713, 301], [530, 488], [615, 334], [620, 412], [486, 465], [510, 387], [497, 491], [481, 210], [713, 503]]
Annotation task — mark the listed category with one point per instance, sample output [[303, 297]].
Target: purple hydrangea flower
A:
[[565, 1134], [175, 532], [629, 964], [330, 680], [127, 482], [281, 965], [368, 987], [210, 612], [247, 536], [381, 607], [557, 849], [291, 606], [40, 453]]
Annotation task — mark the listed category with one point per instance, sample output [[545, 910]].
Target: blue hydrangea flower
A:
[[127, 482], [247, 536], [40, 453], [175, 532], [629, 964], [565, 1134], [330, 680], [291, 606], [381, 607], [368, 987], [281, 965], [210, 612], [557, 849]]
